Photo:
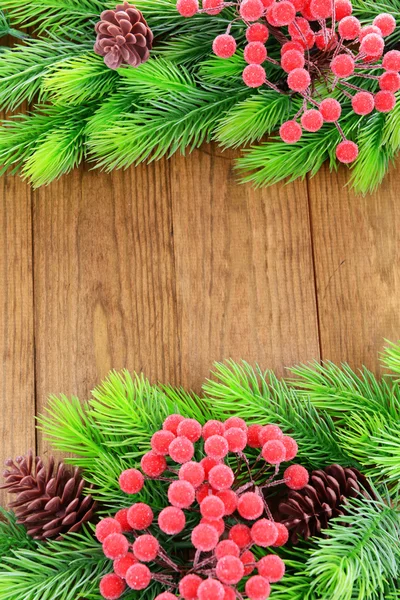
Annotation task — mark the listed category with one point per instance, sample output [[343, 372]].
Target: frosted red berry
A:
[[299, 80], [386, 23], [153, 464], [343, 65], [271, 567], [221, 477], [251, 10], [131, 481], [283, 12], [257, 32], [372, 45], [229, 569], [349, 28], [254, 76], [297, 476], [250, 506], [236, 422], [138, 577], [326, 41], [264, 533], [292, 46], [248, 560], [171, 520], [161, 440], [190, 428], [189, 585], [181, 494], [292, 59], [241, 535], [229, 498], [166, 596], [211, 428], [193, 472], [321, 9], [217, 524], [346, 152], [210, 589], [384, 101], [122, 517], [290, 132], [257, 588], [181, 449], [204, 537], [216, 447], [343, 8], [187, 8], [255, 53], [213, 7], [212, 507], [171, 423], [140, 516], [106, 527], [311, 120], [391, 60], [203, 491], [273, 452], [121, 565], [389, 81], [253, 436], [115, 546], [290, 444], [236, 437], [230, 593], [330, 110], [367, 30], [270, 432], [283, 535], [112, 587], [146, 548], [227, 548]]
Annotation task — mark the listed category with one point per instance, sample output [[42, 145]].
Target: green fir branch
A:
[[12, 536], [391, 130], [390, 357]]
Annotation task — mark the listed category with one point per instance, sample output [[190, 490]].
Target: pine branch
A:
[[391, 357], [391, 130], [12, 536], [361, 556], [223, 71], [261, 398]]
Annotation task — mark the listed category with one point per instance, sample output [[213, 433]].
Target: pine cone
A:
[[123, 37], [49, 501], [307, 512]]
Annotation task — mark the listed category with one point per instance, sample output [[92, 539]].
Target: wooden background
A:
[[169, 267]]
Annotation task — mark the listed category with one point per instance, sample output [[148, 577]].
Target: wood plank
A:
[[245, 282], [105, 289], [17, 382], [357, 257]]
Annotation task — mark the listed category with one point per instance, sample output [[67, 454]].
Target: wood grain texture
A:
[[17, 384], [357, 261]]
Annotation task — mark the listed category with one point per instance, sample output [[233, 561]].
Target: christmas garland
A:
[[234, 72], [173, 495]]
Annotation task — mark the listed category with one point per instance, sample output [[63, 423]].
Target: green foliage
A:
[[391, 357], [12, 536]]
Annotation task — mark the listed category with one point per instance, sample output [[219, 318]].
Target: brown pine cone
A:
[[123, 37], [307, 512], [49, 501]]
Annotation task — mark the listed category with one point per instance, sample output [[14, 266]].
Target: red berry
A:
[[274, 452], [343, 8], [271, 567], [212, 507], [203, 491], [204, 537], [181, 449], [298, 4], [270, 432], [391, 61], [166, 596], [349, 28], [367, 30], [211, 589], [299, 80], [190, 428], [386, 23], [192, 472], [189, 585], [264, 533], [140, 516], [390, 81], [230, 593], [253, 433], [235, 422], [218, 524], [384, 101], [296, 475], [171, 520], [372, 45], [248, 560], [299, 30], [121, 565], [227, 548], [326, 42], [187, 8], [115, 546], [290, 132], [343, 65], [213, 7], [122, 517], [292, 59], [257, 33], [106, 527], [146, 548], [254, 76], [216, 447], [251, 10], [131, 481], [257, 588], [270, 15], [283, 12], [289, 443], [213, 427], [236, 438], [311, 120], [292, 46], [229, 499], [112, 587], [171, 423], [250, 506], [283, 535], [267, 3], [255, 53], [208, 463], [138, 577], [330, 109], [221, 477], [181, 494], [321, 9], [240, 534], [229, 569], [153, 464], [161, 440]]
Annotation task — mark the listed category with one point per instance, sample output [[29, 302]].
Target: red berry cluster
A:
[[321, 42], [226, 491]]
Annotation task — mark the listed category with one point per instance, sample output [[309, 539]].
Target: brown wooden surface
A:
[[169, 267]]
